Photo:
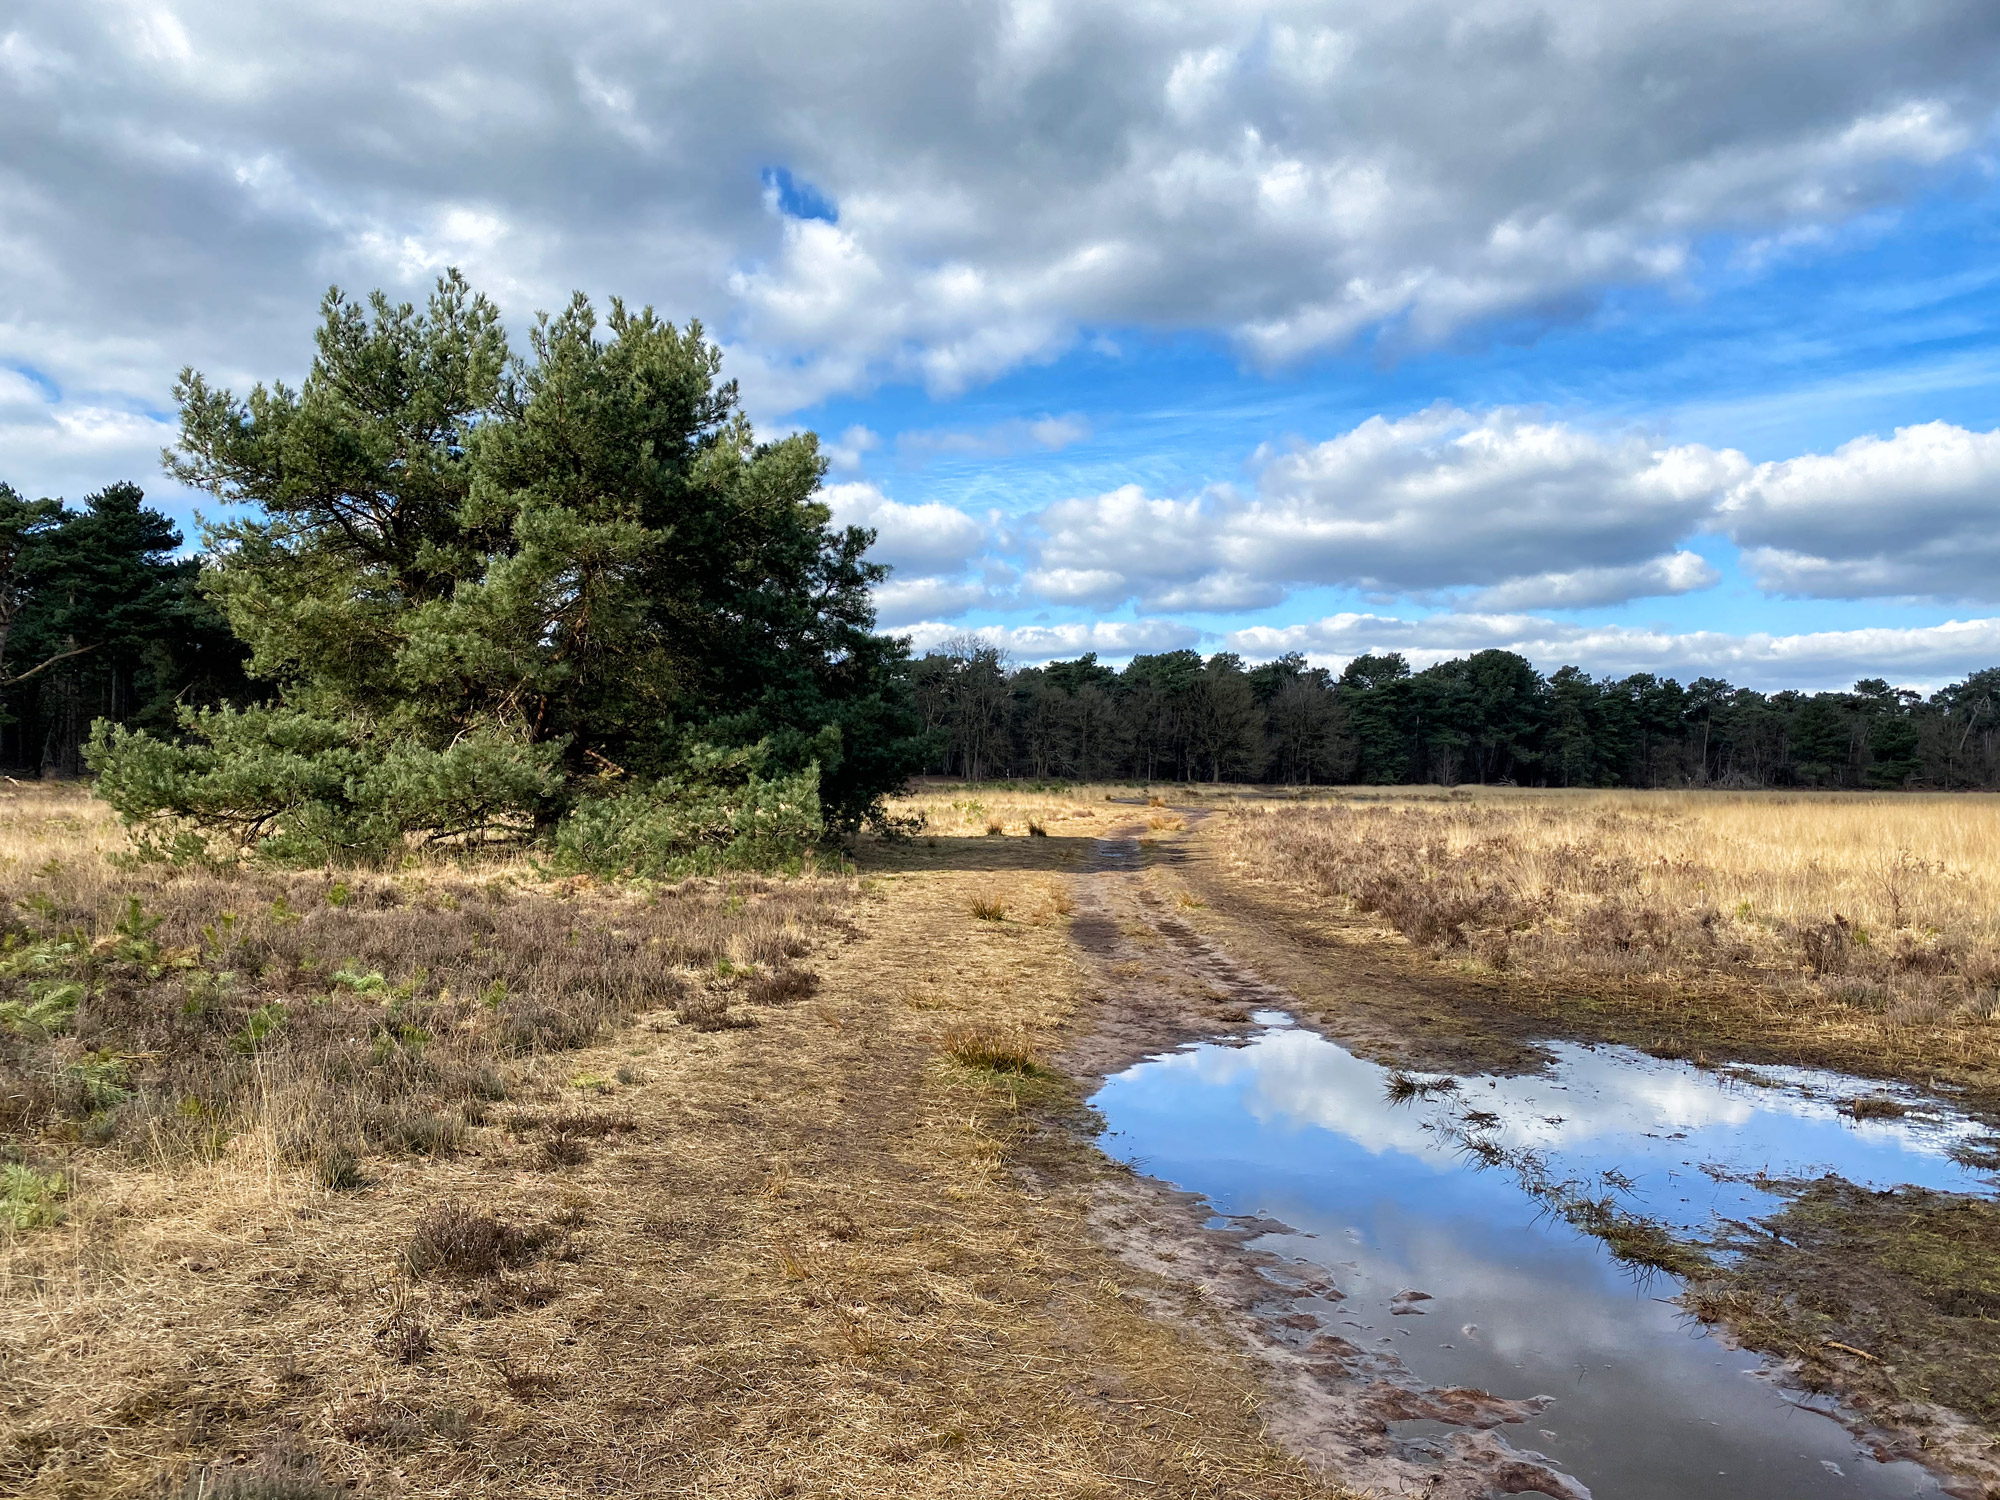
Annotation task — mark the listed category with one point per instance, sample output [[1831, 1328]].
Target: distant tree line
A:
[[1487, 718]]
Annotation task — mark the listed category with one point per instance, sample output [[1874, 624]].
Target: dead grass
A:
[[1876, 915], [1013, 811], [807, 1256]]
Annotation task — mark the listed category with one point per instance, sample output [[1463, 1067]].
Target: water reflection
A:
[[1646, 1406]]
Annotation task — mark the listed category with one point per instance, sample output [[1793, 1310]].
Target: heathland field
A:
[[459, 1180], [461, 1177], [1866, 929]]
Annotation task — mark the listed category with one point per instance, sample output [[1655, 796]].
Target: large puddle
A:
[[1387, 1197]]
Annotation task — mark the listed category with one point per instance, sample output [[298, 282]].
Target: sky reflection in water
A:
[[1647, 1406]]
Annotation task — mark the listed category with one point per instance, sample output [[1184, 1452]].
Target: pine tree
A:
[[486, 589]]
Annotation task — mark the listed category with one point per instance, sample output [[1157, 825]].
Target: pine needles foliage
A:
[[567, 597]]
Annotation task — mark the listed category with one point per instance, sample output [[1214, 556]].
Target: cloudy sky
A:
[[1643, 334]]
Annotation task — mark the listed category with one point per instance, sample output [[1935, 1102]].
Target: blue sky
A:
[[1649, 337], [1884, 323]]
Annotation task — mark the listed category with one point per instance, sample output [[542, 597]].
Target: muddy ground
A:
[[1886, 1299]]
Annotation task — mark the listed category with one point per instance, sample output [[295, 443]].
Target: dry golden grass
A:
[[1885, 907], [1001, 810], [727, 1232]]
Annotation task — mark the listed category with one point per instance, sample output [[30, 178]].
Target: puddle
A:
[[1646, 1406]]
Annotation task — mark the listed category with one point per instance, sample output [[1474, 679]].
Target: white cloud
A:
[[927, 538], [1544, 513], [1007, 175], [1494, 513], [72, 448], [1446, 498], [1114, 639], [845, 454], [1676, 573], [1916, 513], [1015, 436], [907, 601]]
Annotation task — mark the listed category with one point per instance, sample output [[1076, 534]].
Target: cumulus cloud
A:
[[1919, 655], [938, 193], [906, 601], [69, 449], [1537, 513], [1676, 573], [918, 539], [929, 547], [846, 453], [1916, 513], [1113, 639], [1495, 513]]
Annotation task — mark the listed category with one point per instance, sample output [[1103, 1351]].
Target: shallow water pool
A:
[[1384, 1196]]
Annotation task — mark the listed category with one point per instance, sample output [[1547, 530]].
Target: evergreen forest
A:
[[1488, 718]]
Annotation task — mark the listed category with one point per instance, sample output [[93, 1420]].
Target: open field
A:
[[462, 1180], [1453, 929], [730, 1188], [1860, 932]]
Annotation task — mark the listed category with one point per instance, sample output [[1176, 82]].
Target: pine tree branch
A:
[[22, 677]]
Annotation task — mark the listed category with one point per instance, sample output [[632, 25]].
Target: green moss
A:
[[1910, 1277]]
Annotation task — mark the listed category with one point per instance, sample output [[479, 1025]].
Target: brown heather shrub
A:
[[782, 986], [343, 1016], [454, 1239], [1891, 904]]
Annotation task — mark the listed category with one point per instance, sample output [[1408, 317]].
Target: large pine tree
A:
[[485, 589]]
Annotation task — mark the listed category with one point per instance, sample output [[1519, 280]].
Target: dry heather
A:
[[589, 1191], [154, 1015], [1879, 907]]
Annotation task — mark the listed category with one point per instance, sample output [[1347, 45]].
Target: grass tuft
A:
[[1402, 1087], [1874, 1107], [281, 1474], [994, 1052]]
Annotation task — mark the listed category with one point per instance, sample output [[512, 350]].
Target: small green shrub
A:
[[262, 1023], [30, 1199], [49, 1009], [298, 788], [718, 813]]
